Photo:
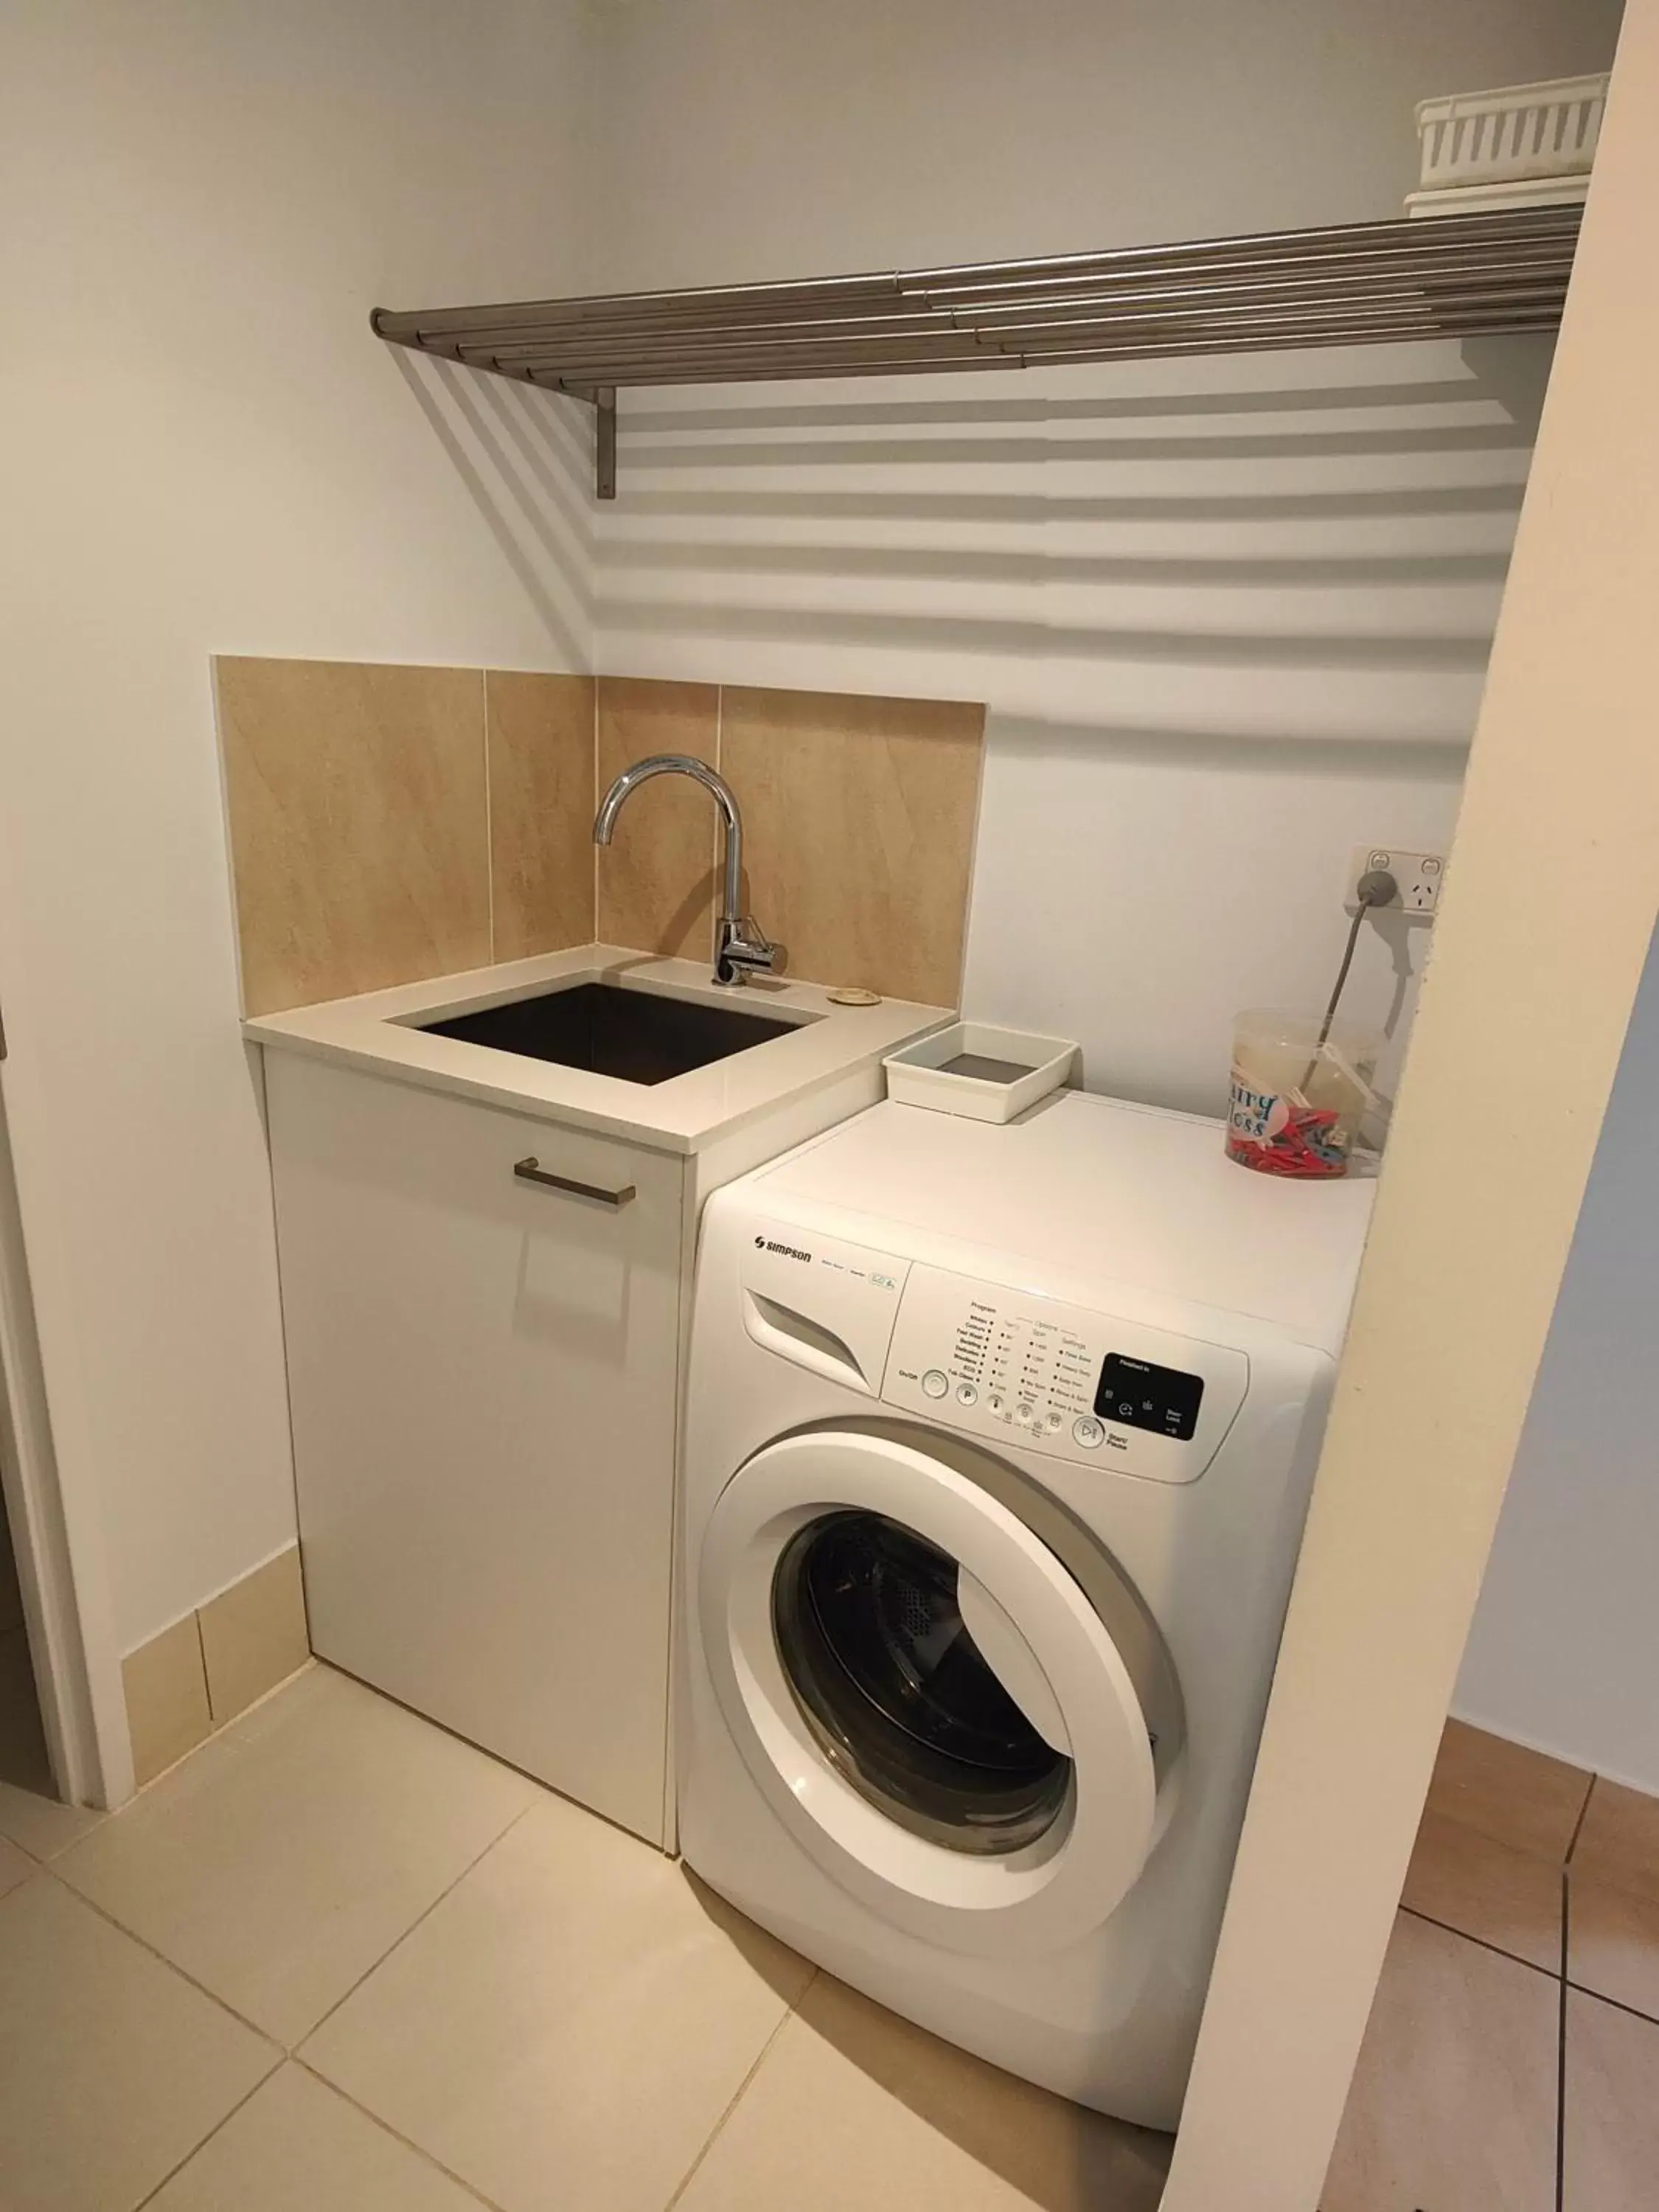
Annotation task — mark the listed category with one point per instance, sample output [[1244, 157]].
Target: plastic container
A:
[[1297, 1104], [979, 1071], [1519, 131]]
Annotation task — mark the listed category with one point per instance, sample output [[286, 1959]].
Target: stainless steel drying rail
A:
[[1450, 276]]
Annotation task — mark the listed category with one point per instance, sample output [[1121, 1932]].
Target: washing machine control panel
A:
[[1033, 1372]]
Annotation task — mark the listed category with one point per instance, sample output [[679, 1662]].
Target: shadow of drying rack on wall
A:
[[1454, 276]]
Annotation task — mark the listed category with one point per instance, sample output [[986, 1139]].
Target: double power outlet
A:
[[1419, 876]]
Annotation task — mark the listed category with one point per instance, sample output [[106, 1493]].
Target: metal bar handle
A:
[[530, 1170]]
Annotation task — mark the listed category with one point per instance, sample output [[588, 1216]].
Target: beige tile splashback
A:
[[392, 823], [540, 734], [357, 802], [859, 821], [859, 817], [656, 879]]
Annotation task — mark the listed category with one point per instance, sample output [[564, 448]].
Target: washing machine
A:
[[999, 1443]]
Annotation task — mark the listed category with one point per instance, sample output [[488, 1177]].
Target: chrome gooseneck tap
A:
[[740, 949]]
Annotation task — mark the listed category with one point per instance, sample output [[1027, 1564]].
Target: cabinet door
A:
[[482, 1371]]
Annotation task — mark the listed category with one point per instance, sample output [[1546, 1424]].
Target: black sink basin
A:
[[640, 1037]]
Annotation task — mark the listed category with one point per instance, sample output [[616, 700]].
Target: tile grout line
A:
[[172, 1964], [287, 2050], [387, 2128], [1561, 2029], [1480, 1942], [213, 1726], [172, 2172], [1561, 2035], [740, 2093], [419, 1921], [1578, 1825], [1613, 2004]]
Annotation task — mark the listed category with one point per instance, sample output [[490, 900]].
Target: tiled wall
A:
[[199, 1673], [859, 818], [365, 846], [391, 823]]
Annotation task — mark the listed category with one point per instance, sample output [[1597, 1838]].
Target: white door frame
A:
[[65, 1595], [1540, 946]]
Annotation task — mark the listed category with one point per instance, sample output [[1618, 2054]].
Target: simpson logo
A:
[[783, 1251]]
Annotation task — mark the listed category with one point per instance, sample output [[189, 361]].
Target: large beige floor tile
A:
[[113, 2068], [1486, 1889], [1618, 1842], [286, 1856], [853, 2106], [1611, 2135], [1614, 1945], [1519, 1796], [566, 2029], [15, 1866], [30, 1814], [296, 2147], [1453, 2108]]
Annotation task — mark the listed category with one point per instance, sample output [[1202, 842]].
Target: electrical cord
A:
[[1376, 888]]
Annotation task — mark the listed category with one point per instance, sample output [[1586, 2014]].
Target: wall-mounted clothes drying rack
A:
[[1495, 273]]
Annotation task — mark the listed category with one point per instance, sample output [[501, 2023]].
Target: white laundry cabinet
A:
[[483, 1373]]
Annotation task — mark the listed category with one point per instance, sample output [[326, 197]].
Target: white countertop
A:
[[374, 1031]]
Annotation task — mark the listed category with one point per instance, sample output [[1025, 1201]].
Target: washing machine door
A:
[[924, 1694]]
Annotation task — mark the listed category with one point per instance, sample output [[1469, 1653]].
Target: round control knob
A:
[[1088, 1433], [936, 1383]]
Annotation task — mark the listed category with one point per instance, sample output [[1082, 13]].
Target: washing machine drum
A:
[[924, 1693]]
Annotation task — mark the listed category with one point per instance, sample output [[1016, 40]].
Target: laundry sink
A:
[[638, 1036]]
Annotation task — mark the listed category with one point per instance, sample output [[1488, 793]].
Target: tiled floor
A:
[[336, 1961], [1512, 2061]]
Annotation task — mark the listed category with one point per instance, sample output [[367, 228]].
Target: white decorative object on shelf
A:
[[981, 1072], [1516, 136]]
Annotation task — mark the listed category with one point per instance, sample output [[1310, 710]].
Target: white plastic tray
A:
[[980, 1071]]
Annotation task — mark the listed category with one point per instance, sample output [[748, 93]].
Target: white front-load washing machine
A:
[[998, 1449]]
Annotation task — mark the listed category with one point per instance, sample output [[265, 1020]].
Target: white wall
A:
[[1220, 610], [1565, 1649], [207, 451], [1232, 618]]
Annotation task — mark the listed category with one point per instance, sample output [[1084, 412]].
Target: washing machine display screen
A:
[[1138, 1395]]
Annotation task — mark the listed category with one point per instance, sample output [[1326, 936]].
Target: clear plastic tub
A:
[[1297, 1102]]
